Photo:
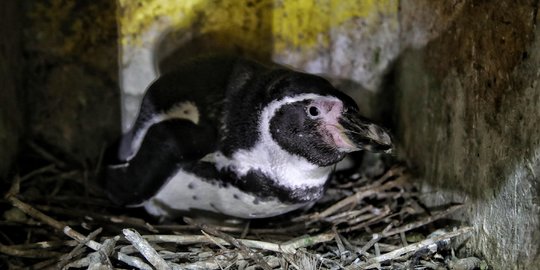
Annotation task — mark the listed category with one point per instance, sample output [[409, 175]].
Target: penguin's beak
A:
[[362, 134]]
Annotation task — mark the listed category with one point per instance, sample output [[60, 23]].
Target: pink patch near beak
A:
[[336, 136], [330, 111]]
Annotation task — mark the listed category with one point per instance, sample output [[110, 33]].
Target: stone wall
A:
[[467, 108]]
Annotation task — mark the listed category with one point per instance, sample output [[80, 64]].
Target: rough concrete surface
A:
[[10, 83], [71, 75], [467, 114]]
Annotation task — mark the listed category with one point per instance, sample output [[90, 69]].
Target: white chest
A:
[[186, 192]]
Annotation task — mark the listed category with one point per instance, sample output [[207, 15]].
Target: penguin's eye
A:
[[313, 111]]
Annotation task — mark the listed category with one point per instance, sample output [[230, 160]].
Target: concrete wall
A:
[[467, 110], [71, 76], [11, 127]]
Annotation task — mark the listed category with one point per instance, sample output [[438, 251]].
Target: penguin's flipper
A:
[[165, 147]]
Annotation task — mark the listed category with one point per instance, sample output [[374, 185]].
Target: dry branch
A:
[[427, 220], [360, 195], [32, 253], [255, 256], [373, 262], [146, 249], [29, 210]]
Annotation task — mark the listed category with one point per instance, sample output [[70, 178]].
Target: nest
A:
[[54, 218]]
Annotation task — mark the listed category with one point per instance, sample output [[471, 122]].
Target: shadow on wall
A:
[[71, 71], [202, 44], [250, 39]]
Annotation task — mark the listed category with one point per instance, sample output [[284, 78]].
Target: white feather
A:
[[177, 195]]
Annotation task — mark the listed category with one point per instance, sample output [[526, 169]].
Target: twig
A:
[[284, 230], [46, 155], [339, 243], [37, 172], [129, 221], [384, 214], [255, 256], [61, 199], [77, 249], [195, 239], [305, 241], [345, 216], [133, 261], [209, 265], [424, 221], [355, 198], [403, 239], [145, 249], [46, 245], [411, 248], [48, 264], [98, 259], [287, 247], [29, 210], [35, 254], [214, 240], [246, 229], [376, 237]]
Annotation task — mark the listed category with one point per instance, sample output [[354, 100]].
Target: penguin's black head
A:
[[310, 118]]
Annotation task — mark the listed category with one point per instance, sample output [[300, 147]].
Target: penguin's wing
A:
[[165, 147], [151, 114]]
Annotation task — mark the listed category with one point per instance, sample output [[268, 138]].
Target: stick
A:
[[37, 172], [255, 256], [288, 247], [46, 244], [411, 248], [385, 213], [35, 254], [124, 220], [97, 259], [46, 155], [133, 261], [77, 250], [360, 196], [424, 221], [375, 238], [145, 249], [305, 241], [29, 210]]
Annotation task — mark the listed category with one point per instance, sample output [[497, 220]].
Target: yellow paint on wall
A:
[[251, 23]]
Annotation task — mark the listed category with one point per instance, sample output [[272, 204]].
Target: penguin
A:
[[235, 137]]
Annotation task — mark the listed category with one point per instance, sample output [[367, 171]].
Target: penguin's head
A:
[[308, 117]]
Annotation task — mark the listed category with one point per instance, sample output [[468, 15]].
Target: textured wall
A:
[[467, 113], [71, 51], [10, 83]]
